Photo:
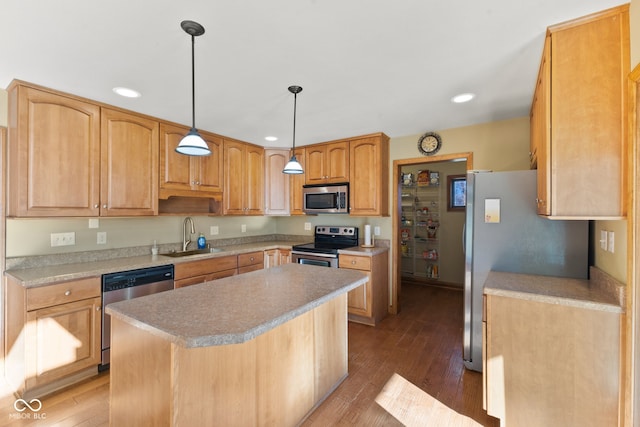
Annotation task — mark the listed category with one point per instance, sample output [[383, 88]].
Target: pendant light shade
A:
[[293, 167], [193, 144]]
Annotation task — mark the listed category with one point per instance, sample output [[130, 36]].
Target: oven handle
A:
[[311, 254]]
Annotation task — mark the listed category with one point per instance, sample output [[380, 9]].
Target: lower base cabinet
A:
[[550, 364], [195, 272], [52, 335], [276, 257], [368, 303], [250, 261]]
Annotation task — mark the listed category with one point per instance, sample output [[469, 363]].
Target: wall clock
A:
[[429, 143]]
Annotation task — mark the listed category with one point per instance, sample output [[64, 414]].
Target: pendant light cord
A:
[[295, 100], [193, 82]]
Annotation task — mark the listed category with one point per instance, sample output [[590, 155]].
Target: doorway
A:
[[418, 220]]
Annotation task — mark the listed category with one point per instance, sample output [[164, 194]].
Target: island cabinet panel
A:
[[129, 164], [275, 379], [276, 183], [327, 163], [243, 178], [369, 176], [368, 303], [549, 364], [52, 335], [194, 272], [53, 154], [579, 117], [189, 176]]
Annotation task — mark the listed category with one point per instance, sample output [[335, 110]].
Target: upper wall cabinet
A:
[[295, 184], [369, 175], [276, 183], [70, 157], [189, 176], [326, 163], [578, 118], [244, 178]]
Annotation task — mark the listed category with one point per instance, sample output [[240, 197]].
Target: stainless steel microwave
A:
[[326, 198]]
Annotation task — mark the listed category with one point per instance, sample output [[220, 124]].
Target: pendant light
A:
[[193, 144], [293, 167]]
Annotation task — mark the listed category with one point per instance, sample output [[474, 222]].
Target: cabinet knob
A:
[[353, 262], [252, 259], [98, 308], [104, 206], [96, 206], [67, 292]]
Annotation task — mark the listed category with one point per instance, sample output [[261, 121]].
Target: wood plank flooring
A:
[[411, 363]]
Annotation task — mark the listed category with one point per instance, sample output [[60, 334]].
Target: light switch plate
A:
[[610, 241], [213, 230], [63, 239], [603, 240], [101, 238], [307, 226], [243, 228]]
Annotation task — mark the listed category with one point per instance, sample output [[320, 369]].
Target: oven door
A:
[[323, 260]]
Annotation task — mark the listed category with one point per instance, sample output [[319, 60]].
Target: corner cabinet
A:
[[276, 257], [106, 160], [327, 163], [368, 303], [579, 117], [369, 176], [243, 178], [189, 176], [52, 335]]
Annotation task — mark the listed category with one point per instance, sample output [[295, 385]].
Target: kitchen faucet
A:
[[185, 241]]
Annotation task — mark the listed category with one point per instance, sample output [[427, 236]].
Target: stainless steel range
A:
[[326, 242]]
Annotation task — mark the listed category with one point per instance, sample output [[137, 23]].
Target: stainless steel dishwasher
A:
[[126, 285]]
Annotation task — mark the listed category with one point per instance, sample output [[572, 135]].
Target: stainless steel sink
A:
[[192, 252]]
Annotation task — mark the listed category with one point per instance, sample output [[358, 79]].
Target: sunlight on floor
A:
[[413, 407]]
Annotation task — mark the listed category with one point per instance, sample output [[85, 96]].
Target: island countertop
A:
[[238, 308]]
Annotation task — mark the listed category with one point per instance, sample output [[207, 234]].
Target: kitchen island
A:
[[262, 348]]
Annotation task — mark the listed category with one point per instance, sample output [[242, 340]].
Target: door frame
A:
[[397, 209]]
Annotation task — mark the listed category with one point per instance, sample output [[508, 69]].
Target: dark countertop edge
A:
[[42, 276], [598, 299], [234, 338]]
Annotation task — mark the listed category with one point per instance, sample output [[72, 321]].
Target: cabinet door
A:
[[315, 164], [208, 171], [284, 256], [63, 339], [369, 172], [53, 155], [276, 183], [337, 162], [541, 132], [254, 189], [234, 180], [175, 169], [359, 299], [296, 182], [129, 164], [271, 258]]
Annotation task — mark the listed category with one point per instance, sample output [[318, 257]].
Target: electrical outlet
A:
[[376, 230], [94, 223], [243, 228], [63, 239], [610, 241], [102, 238], [307, 226], [213, 230], [603, 240]]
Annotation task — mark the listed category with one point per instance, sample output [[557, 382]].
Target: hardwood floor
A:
[[422, 346]]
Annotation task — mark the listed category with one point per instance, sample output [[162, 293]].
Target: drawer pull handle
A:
[[353, 262], [67, 292], [252, 259]]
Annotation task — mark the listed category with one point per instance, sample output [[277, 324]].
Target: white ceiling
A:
[[364, 65]]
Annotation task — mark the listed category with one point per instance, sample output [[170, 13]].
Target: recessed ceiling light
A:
[[271, 138], [126, 92], [463, 97]]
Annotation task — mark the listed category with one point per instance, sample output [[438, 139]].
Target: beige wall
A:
[[3, 107]]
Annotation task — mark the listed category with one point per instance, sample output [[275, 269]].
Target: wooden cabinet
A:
[[579, 116], [276, 257], [189, 176], [244, 178], [54, 144], [52, 335], [548, 364], [368, 303], [250, 261], [327, 163], [129, 164], [195, 272], [105, 160], [369, 175], [296, 202], [276, 183]]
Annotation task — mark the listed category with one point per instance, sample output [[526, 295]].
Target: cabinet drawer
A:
[[221, 274], [248, 268], [355, 262], [251, 258], [60, 293], [210, 265]]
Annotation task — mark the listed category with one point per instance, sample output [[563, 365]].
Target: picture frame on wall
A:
[[457, 194]]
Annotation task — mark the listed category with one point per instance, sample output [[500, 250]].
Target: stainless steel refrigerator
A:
[[504, 233]]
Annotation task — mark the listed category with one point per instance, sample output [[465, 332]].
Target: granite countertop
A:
[[238, 308], [601, 292], [40, 276], [362, 251]]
